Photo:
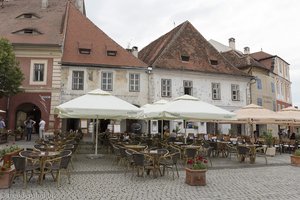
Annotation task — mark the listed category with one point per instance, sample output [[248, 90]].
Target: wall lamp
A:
[[149, 70]]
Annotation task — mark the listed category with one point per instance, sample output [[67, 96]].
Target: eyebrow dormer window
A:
[[111, 53], [28, 16], [185, 58], [28, 31], [214, 62], [84, 51]]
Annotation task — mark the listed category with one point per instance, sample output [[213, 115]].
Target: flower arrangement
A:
[[5, 162], [198, 163], [8, 149]]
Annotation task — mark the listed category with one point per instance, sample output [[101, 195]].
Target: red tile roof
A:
[[82, 33], [240, 60], [166, 52], [260, 55], [48, 21]]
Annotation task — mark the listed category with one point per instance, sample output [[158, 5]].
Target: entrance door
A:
[[27, 110]]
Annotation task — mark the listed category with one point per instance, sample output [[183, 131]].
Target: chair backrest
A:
[[138, 159], [20, 163], [162, 151], [123, 152], [65, 158], [175, 157], [243, 150], [116, 150], [190, 152]]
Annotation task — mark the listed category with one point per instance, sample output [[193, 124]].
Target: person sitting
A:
[[293, 136]]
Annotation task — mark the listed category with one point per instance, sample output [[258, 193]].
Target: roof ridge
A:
[[175, 36]]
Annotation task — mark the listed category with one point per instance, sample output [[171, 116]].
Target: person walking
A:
[[42, 125], [2, 125], [29, 123]]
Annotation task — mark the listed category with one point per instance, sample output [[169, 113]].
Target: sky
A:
[[268, 25]]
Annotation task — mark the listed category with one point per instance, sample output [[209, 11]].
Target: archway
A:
[[26, 110]]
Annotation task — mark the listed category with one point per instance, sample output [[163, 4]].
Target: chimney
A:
[[246, 50], [80, 5], [135, 51], [232, 43], [44, 4]]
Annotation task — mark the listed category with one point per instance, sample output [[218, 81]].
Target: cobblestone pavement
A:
[[101, 179]]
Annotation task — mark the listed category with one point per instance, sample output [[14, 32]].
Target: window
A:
[[77, 80], [235, 92], [214, 62], [134, 82], [185, 58], [216, 91], [27, 31], [111, 53], [28, 16], [166, 87], [188, 87], [278, 88], [259, 101], [273, 87], [107, 78], [38, 72], [259, 86], [274, 106], [84, 51]]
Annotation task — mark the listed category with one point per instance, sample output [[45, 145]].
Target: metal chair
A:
[[170, 162]]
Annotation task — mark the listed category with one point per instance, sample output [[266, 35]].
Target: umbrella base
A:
[[95, 156]]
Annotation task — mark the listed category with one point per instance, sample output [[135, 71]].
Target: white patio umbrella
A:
[[254, 114], [290, 113], [189, 108], [98, 104]]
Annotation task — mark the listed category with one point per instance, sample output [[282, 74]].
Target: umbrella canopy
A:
[[98, 104], [258, 115], [186, 107], [290, 113]]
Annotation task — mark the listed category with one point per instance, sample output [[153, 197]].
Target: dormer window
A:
[[28, 31], [213, 62], [185, 58], [28, 16], [111, 53], [84, 47], [84, 51]]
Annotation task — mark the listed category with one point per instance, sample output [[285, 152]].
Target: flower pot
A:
[[295, 160], [7, 157], [271, 151], [6, 178], [195, 177]]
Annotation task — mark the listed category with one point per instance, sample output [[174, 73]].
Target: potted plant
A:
[[295, 159], [6, 171], [196, 174], [271, 150]]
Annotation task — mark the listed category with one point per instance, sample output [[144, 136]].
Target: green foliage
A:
[[198, 163], [11, 76], [297, 152], [8, 149], [268, 138]]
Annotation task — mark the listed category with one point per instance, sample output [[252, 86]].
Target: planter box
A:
[[7, 157], [195, 177], [6, 178], [295, 160], [271, 151]]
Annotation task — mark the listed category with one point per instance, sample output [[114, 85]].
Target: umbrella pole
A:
[[96, 155]]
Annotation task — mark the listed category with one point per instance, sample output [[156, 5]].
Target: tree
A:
[[11, 76]]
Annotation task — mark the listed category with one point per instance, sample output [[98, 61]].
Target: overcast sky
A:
[[270, 25]]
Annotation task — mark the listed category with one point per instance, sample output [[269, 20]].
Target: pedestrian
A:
[[29, 123], [2, 125], [42, 125]]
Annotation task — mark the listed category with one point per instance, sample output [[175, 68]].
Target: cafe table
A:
[[43, 157], [156, 155], [135, 147]]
